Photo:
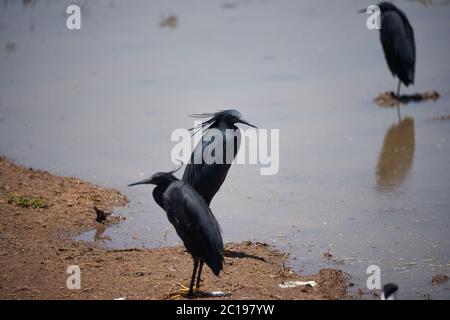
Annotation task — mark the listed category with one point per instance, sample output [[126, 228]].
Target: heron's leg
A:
[[185, 291], [191, 287], [398, 101], [399, 115], [199, 273], [398, 89]]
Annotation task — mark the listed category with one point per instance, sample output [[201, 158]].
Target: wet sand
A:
[[36, 249]]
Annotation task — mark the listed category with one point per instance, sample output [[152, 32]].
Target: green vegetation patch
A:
[[25, 202]]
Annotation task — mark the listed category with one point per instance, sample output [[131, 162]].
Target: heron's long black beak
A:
[[145, 181], [362, 11], [247, 123]]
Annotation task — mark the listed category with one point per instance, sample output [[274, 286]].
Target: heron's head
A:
[[229, 117], [232, 117], [159, 178], [389, 291], [384, 7]]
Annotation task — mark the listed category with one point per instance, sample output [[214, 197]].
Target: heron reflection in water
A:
[[396, 156]]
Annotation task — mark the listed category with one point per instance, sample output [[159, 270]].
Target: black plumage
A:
[[389, 291], [207, 178], [194, 222], [397, 40]]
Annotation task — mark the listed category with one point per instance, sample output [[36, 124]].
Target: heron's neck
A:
[[159, 191]]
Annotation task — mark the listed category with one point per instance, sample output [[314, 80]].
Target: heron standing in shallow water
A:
[[397, 40], [194, 222], [207, 178]]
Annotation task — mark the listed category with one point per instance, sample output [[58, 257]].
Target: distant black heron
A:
[[194, 222], [207, 178], [397, 40], [389, 291]]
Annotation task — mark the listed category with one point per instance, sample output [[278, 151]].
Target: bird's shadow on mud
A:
[[241, 255]]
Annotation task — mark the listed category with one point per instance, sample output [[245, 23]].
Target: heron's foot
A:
[[184, 292], [185, 289]]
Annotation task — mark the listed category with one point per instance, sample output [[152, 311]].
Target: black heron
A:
[[207, 178], [389, 291], [194, 222], [397, 40]]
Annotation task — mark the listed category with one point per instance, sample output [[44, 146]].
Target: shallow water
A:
[[102, 102]]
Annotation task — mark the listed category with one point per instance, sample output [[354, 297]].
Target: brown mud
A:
[[41, 212]]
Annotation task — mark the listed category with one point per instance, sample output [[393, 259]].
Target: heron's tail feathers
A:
[[216, 265]]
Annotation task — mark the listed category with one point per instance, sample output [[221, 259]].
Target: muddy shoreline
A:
[[40, 212]]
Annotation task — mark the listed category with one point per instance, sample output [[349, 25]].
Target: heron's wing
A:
[[192, 173], [205, 178], [412, 44], [195, 224], [397, 39]]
